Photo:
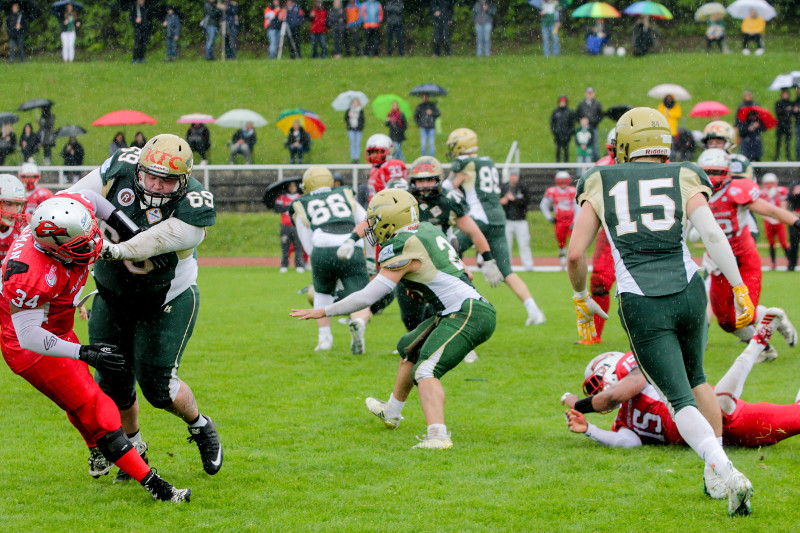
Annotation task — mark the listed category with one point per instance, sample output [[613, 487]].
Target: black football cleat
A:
[[98, 464], [210, 448], [164, 491]]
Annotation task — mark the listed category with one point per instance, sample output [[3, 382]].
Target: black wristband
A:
[[796, 224], [584, 405], [487, 256], [355, 237]]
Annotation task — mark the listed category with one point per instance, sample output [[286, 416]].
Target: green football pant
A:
[[668, 335], [439, 343], [153, 342], [326, 268], [496, 235]]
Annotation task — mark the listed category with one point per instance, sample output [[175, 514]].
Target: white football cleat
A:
[[430, 443], [713, 484], [300, 270], [768, 321], [787, 330], [357, 341], [769, 354], [324, 344], [536, 319], [284, 270], [345, 321], [471, 357], [378, 408], [740, 490]]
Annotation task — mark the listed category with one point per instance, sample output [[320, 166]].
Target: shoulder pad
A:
[[743, 191]]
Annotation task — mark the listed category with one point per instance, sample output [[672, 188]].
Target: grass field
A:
[[303, 454]]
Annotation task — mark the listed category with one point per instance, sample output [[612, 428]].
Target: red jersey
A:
[[7, 237], [645, 414], [729, 206], [284, 201], [563, 202], [378, 179], [775, 196], [34, 198]]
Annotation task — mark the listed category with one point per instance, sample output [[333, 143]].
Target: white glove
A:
[[110, 251], [345, 251], [491, 273]]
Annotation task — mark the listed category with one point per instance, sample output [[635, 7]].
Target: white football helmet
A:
[[29, 174], [67, 230], [12, 199], [769, 179], [379, 149], [717, 164], [601, 372], [563, 178]]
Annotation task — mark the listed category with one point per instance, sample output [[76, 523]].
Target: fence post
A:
[[205, 177]]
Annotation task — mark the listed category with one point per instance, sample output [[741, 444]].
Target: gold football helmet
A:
[[461, 141], [642, 132], [425, 168], [168, 157], [315, 178], [389, 211], [719, 129]]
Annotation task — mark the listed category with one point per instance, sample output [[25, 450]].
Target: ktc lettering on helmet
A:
[[167, 160], [425, 177]]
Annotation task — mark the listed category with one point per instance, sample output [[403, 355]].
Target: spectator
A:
[[294, 19], [272, 24], [231, 29], [69, 24], [8, 142], [352, 37], [683, 146], [140, 18], [644, 38], [72, 153], [593, 110], [672, 112], [796, 113], [753, 30], [338, 181], [397, 123], [372, 18], [298, 142], [515, 198], [199, 139], [584, 139], [212, 16], [289, 237], [562, 124], [715, 33], [551, 22], [139, 140], [15, 27], [783, 111], [793, 205], [483, 13], [442, 13], [243, 142], [28, 143], [172, 26], [394, 27], [596, 38], [117, 143], [47, 132], [425, 116], [354, 119], [337, 22], [750, 132], [319, 30], [747, 101]]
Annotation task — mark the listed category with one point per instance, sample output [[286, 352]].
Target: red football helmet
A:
[[379, 149], [563, 179], [717, 165]]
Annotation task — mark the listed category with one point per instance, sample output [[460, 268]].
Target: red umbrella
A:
[[709, 109], [764, 115], [124, 117]]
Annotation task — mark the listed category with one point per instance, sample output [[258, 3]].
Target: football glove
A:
[[745, 310], [110, 251], [585, 309], [102, 357], [345, 251], [491, 273]]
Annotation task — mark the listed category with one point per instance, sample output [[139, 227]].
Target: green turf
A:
[[303, 454]]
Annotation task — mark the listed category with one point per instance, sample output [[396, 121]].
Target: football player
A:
[[558, 207], [377, 152], [643, 204], [43, 277], [29, 175], [418, 257], [774, 194], [147, 301], [12, 215], [730, 202], [480, 181], [325, 217], [614, 380]]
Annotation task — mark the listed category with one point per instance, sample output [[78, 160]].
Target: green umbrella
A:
[[383, 104]]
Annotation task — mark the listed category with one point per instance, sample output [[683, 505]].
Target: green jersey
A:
[[642, 207], [481, 188], [134, 279], [442, 209], [331, 210], [441, 281]]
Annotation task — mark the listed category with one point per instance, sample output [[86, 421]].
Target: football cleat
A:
[[357, 341], [163, 490], [210, 448], [471, 357], [740, 490], [713, 484], [324, 344], [769, 354], [141, 448], [430, 443], [98, 465], [594, 340], [770, 320], [378, 408], [788, 331], [536, 319]]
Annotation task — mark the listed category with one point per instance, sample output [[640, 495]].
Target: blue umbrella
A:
[[535, 3], [430, 89]]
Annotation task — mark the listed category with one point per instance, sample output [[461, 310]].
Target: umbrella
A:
[[707, 11], [709, 109], [35, 103], [782, 81], [278, 188], [535, 3], [238, 118], [660, 91], [124, 117], [308, 119], [196, 118], [58, 8], [616, 111], [8, 118], [383, 104], [70, 130], [430, 89], [596, 10], [651, 9], [764, 116], [343, 101], [740, 9]]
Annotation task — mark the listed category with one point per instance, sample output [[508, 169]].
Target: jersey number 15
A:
[[646, 199]]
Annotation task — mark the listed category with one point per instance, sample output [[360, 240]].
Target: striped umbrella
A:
[[308, 119], [650, 9], [707, 11], [596, 10]]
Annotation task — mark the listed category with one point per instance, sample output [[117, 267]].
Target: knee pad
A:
[[322, 300], [114, 445]]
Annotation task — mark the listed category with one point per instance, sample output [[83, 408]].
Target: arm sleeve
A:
[[545, 206], [360, 213], [90, 182], [376, 289], [624, 438], [716, 243], [304, 234], [172, 235], [32, 336], [102, 207]]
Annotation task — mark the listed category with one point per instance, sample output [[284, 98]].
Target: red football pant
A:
[[776, 230], [603, 277], [563, 232], [760, 424], [721, 293]]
